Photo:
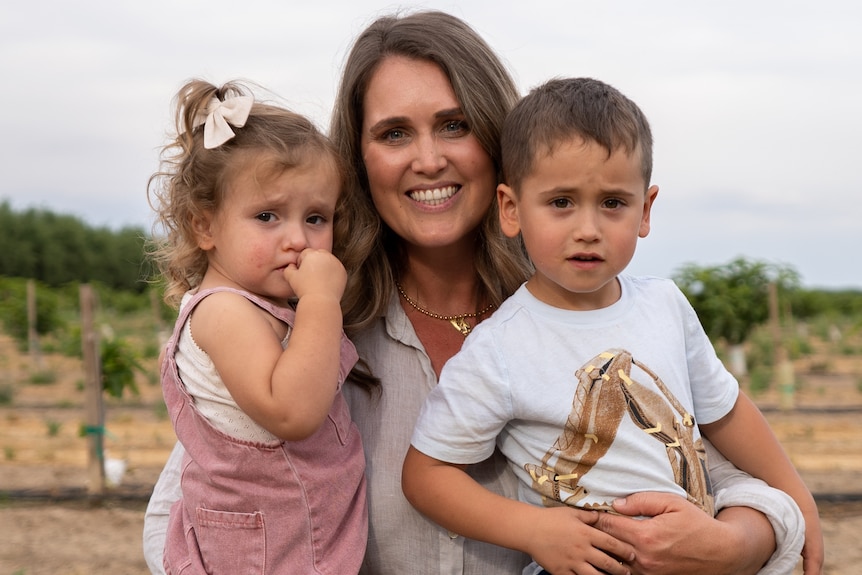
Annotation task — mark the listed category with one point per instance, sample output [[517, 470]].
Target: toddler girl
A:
[[273, 477]]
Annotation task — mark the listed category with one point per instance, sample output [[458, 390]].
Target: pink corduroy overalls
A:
[[265, 508]]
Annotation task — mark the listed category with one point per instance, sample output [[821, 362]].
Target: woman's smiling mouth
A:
[[433, 197]]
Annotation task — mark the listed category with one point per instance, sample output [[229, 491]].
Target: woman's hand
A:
[[675, 537]]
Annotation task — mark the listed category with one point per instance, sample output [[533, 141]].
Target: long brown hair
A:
[[370, 251]]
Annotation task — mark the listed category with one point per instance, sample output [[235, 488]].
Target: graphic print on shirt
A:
[[605, 393]]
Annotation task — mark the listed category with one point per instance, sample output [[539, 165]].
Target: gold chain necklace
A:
[[459, 321]]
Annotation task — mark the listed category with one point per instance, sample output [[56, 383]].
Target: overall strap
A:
[[284, 314], [348, 352]]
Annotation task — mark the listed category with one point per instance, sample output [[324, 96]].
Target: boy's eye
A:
[[612, 203], [265, 216], [561, 202]]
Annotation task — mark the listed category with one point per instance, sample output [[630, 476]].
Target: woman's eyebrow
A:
[[386, 122], [449, 113]]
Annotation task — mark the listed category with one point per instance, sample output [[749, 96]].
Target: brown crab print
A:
[[605, 392]]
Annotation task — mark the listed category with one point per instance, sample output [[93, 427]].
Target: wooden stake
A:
[[95, 415], [782, 368], [32, 334]]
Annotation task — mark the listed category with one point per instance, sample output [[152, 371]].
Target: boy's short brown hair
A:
[[563, 108]]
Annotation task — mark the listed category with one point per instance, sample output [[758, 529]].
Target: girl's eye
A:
[[315, 220], [265, 216]]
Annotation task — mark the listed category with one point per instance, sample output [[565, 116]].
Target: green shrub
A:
[[7, 394], [119, 364], [760, 379], [53, 428], [43, 377]]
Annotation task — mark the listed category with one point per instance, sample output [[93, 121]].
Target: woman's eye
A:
[[393, 135], [455, 126]]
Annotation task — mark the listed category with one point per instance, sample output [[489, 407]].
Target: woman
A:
[[418, 116]]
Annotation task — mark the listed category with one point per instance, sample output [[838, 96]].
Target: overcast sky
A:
[[755, 105]]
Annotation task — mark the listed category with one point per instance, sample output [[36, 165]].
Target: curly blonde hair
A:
[[192, 179]]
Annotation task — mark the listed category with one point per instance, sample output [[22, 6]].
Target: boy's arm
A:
[[745, 438], [560, 539]]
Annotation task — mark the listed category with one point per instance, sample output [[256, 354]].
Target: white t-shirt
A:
[[586, 406]]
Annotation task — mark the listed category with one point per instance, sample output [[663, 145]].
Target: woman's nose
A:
[[428, 157]]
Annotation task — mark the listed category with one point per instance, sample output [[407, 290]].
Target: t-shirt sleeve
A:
[[463, 415], [714, 389]]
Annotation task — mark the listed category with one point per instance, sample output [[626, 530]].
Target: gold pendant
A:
[[460, 323]]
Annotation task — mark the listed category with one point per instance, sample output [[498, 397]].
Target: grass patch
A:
[[53, 427], [43, 377], [760, 379]]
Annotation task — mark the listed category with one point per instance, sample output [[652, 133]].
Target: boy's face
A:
[[580, 213]]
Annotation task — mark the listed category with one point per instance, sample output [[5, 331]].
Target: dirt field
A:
[[49, 526]]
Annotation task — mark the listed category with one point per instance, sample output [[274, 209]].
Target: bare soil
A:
[[51, 525]]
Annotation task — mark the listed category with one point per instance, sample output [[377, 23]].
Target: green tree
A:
[[732, 299], [13, 309], [832, 303], [60, 249]]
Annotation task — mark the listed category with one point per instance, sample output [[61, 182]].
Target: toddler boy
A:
[[594, 384]]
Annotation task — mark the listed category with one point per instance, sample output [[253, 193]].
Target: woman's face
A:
[[430, 179]]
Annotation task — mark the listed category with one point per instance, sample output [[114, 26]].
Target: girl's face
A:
[[431, 181], [264, 223]]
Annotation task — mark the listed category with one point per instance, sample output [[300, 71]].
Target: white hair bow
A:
[[220, 116]]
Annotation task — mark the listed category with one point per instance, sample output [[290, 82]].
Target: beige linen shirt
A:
[[400, 539]]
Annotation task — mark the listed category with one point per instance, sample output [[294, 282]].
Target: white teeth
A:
[[435, 196]]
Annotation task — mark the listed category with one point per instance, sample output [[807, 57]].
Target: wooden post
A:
[[782, 368], [32, 334], [95, 416]]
